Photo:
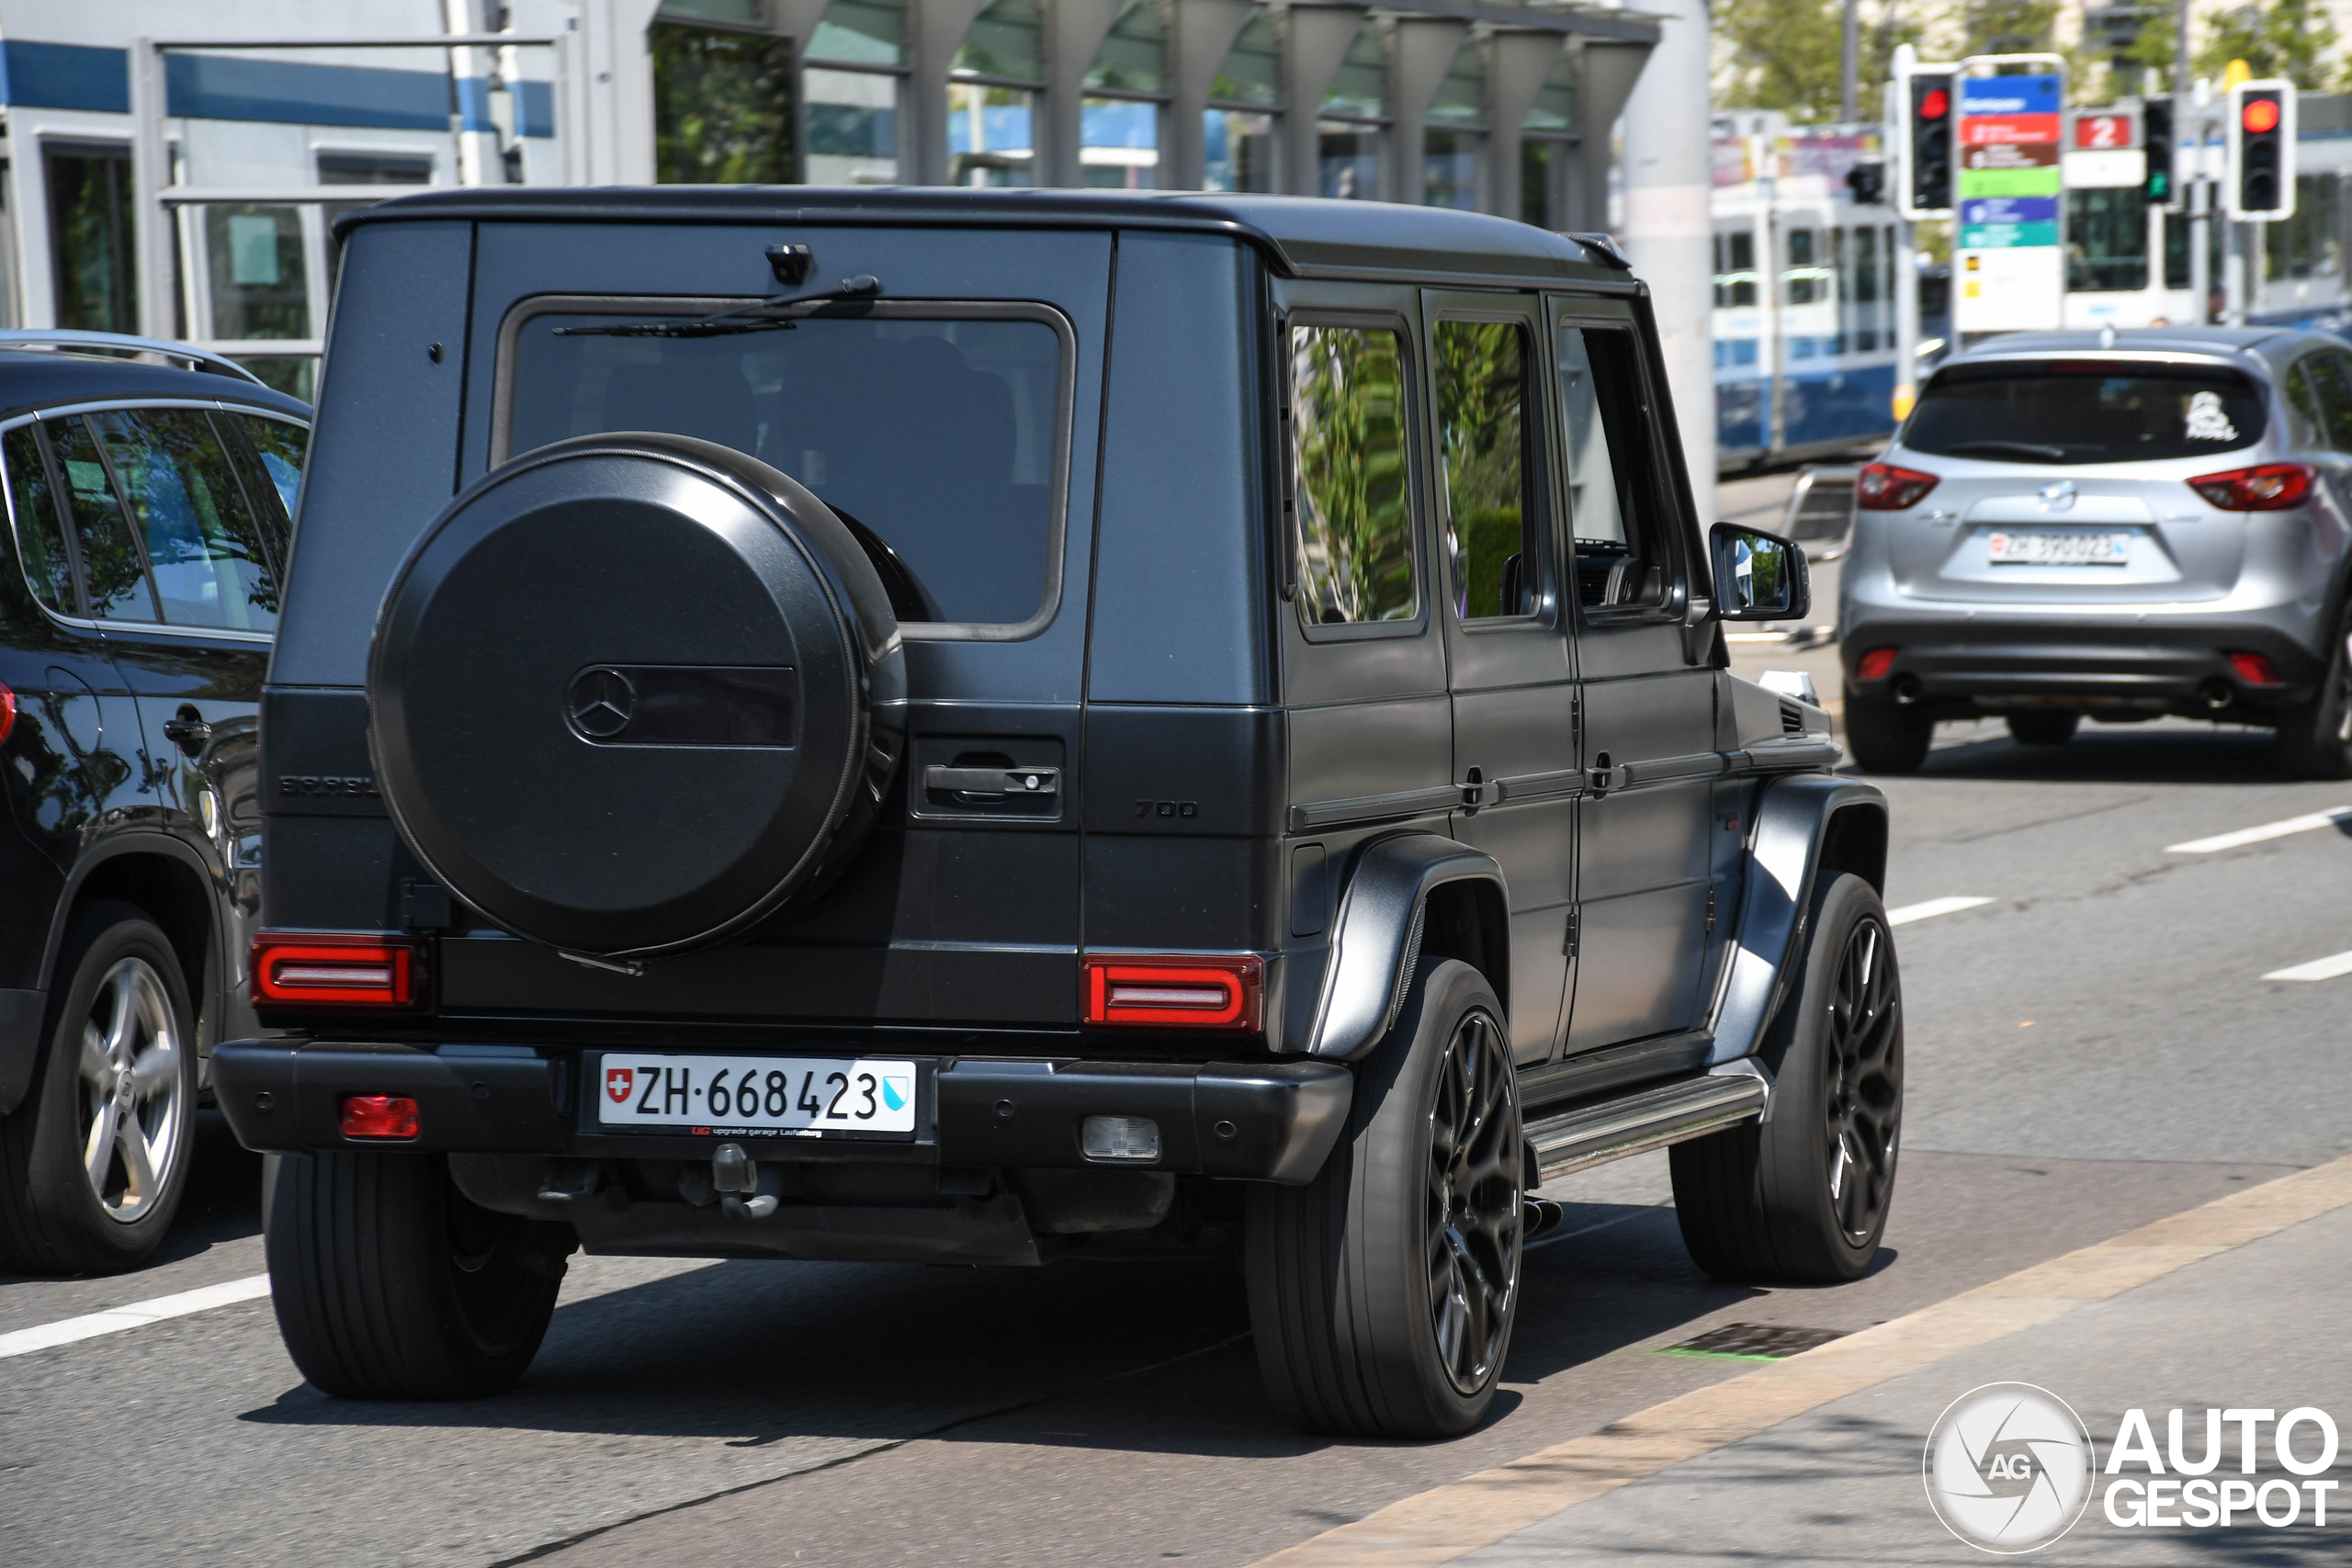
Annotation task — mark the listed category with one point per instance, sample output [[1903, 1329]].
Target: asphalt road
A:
[[2093, 1047]]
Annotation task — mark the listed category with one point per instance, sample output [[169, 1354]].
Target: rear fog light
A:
[[1875, 664], [2255, 669], [388, 1117]]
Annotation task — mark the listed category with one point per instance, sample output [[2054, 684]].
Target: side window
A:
[[1491, 517], [40, 539], [2333, 378], [203, 543], [2302, 397], [113, 574], [1620, 557], [269, 459], [1350, 478]]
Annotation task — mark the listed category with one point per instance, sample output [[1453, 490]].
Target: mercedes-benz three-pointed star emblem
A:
[[600, 703]]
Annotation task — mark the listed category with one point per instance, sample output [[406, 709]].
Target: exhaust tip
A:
[[2216, 693], [1906, 690]]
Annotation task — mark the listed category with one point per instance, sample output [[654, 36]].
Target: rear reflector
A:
[[1875, 664], [2255, 669], [1174, 991], [383, 1116], [308, 969]]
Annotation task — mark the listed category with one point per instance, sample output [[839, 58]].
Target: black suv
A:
[[938, 725], [149, 505]]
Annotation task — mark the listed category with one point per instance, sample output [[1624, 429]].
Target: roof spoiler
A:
[[1605, 247]]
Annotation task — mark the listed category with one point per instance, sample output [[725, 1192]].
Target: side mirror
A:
[[1759, 576]]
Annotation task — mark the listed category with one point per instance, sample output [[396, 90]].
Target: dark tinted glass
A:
[[2083, 411], [271, 461], [1482, 440], [1350, 476], [112, 572], [40, 543], [938, 436], [204, 545]]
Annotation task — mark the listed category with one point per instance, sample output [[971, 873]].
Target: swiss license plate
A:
[[802, 1096], [2061, 549]]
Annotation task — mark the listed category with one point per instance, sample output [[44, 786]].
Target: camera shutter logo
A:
[[2008, 1467]]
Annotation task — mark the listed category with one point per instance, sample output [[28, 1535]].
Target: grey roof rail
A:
[[122, 343]]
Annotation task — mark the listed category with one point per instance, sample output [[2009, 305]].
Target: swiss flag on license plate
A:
[[619, 1081]]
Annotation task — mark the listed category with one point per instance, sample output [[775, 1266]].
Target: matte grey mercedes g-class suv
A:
[[937, 725]]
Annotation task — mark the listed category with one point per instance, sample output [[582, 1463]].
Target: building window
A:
[[993, 97], [722, 104], [1455, 134], [363, 169], [1241, 129], [90, 229], [1348, 138], [1119, 124], [1547, 149], [852, 84]]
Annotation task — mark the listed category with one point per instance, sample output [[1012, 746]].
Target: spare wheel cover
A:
[[622, 693]]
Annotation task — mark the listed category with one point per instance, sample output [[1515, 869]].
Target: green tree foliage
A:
[[1355, 545], [2293, 39], [2010, 27], [1787, 54], [723, 107]]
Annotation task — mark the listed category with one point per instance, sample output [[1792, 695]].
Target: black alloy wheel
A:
[[1863, 1077], [1474, 1204]]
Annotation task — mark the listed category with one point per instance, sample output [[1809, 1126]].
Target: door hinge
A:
[[1711, 912], [1568, 944]]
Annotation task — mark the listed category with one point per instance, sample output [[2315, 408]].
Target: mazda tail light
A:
[[310, 969], [384, 1118], [1883, 487], [2272, 487], [1175, 991]]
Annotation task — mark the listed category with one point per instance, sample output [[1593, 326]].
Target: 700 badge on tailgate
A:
[[796, 1096]]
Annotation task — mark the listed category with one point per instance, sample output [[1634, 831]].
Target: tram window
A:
[[1612, 493], [2106, 240], [1735, 270], [1805, 281]]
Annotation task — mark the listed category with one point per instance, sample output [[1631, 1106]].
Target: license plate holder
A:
[[673, 1094], [2032, 546]]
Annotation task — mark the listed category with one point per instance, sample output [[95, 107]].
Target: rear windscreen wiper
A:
[[766, 316], [2006, 449]]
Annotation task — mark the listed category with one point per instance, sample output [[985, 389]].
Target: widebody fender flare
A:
[[1377, 935], [1797, 838]]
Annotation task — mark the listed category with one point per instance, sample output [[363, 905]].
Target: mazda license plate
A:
[[2061, 549], [802, 1096]]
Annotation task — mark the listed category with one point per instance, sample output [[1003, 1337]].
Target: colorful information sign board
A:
[[2007, 258]]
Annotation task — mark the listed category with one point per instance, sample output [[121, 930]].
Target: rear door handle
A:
[[1602, 778], [187, 730], [1002, 781]]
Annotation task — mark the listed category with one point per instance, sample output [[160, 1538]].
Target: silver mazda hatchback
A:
[[2112, 525]]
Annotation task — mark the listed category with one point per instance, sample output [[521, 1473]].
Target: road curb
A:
[[1451, 1522]]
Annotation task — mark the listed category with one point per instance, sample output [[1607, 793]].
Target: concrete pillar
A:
[[1517, 63], [1074, 33], [935, 31], [1316, 40], [1421, 51], [1606, 72], [1668, 178], [796, 21], [617, 90], [1200, 34]]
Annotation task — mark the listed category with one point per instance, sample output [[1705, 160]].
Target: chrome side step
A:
[[1594, 1134]]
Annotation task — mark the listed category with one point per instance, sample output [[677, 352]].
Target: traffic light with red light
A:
[[2258, 178], [1927, 144]]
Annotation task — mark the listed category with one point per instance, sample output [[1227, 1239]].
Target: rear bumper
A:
[[1996, 662], [1266, 1120]]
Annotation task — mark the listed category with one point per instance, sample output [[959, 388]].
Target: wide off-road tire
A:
[[1802, 1199], [1381, 1294], [94, 1163], [389, 1284], [2315, 737], [2043, 728], [1885, 736]]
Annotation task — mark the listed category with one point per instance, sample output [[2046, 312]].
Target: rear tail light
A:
[[1883, 487], [2255, 669], [1177, 991], [382, 1116], [1875, 664], [310, 969], [2273, 486]]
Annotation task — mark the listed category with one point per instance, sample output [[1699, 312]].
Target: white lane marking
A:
[[137, 1315], [2267, 830], [2317, 969], [1930, 909]]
